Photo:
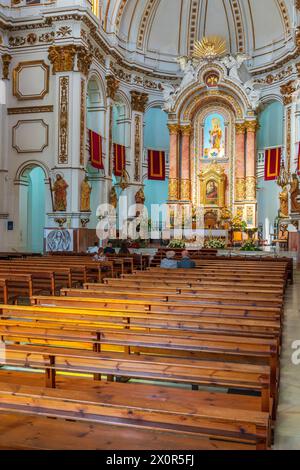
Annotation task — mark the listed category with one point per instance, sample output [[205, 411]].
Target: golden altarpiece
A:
[[212, 124]]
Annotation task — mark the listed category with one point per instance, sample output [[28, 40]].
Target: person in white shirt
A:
[[169, 262]]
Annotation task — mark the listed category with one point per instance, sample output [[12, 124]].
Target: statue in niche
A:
[[85, 196], [295, 193], [284, 203], [60, 194], [140, 197], [113, 198], [216, 135]]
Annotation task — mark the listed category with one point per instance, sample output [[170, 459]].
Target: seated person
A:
[[186, 262], [109, 250], [124, 249], [169, 262], [100, 256]]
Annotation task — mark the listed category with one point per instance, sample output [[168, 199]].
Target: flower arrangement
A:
[[238, 224], [250, 245], [217, 243], [176, 244]]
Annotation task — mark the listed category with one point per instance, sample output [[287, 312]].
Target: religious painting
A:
[[212, 192], [214, 137], [59, 240]]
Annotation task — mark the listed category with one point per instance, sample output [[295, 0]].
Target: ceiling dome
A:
[[155, 32]]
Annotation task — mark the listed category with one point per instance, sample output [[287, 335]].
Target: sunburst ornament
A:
[[210, 47]]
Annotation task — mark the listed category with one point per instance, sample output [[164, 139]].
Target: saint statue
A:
[[113, 198], [284, 203], [85, 196], [140, 197], [60, 194], [295, 193]]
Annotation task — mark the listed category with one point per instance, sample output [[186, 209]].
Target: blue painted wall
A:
[[156, 137], [36, 210], [270, 134]]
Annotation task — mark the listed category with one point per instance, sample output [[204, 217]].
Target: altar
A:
[[212, 124]]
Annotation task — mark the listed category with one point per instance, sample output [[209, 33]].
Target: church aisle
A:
[[287, 430]]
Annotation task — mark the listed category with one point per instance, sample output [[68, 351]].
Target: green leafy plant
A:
[[250, 245], [176, 244]]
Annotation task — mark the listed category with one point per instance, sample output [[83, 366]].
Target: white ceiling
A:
[[155, 32]]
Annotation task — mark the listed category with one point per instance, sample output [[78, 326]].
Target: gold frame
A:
[[16, 74], [216, 173]]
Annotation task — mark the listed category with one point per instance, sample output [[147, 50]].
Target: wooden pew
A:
[[141, 412], [242, 377], [52, 317], [200, 298], [179, 308], [32, 433]]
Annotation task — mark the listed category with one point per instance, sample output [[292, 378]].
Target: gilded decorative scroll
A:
[[137, 148], [63, 120], [82, 121]]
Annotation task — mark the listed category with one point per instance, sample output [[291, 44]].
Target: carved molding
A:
[[63, 120], [287, 91], [173, 189], [17, 80], [35, 145], [185, 190], [137, 147], [6, 60], [30, 110], [240, 189], [251, 188]]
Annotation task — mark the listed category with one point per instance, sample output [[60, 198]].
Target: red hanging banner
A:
[[156, 165], [119, 159], [298, 160], [96, 150], [272, 163]]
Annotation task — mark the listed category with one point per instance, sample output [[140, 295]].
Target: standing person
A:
[[186, 262], [169, 262]]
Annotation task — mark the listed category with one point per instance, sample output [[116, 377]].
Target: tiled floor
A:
[[287, 434]]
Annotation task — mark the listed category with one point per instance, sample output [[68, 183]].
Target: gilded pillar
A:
[[174, 163], [185, 182], [251, 161], [240, 186]]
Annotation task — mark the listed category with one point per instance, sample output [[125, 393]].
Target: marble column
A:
[[185, 183], [240, 185], [173, 163], [251, 161]]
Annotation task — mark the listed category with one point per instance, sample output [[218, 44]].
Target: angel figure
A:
[[188, 69], [254, 92], [233, 65], [169, 94]]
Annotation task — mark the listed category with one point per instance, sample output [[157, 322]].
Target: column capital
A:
[[186, 129], [251, 126], [6, 60], [174, 129], [287, 91], [112, 86], [139, 101], [240, 128]]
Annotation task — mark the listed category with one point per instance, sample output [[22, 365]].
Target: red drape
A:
[[119, 159], [272, 163], [156, 165], [96, 150], [298, 161]]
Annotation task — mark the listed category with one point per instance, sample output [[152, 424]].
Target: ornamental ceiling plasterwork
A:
[[164, 29]]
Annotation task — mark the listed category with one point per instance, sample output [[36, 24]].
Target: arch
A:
[[27, 167], [155, 104], [123, 98], [94, 76]]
